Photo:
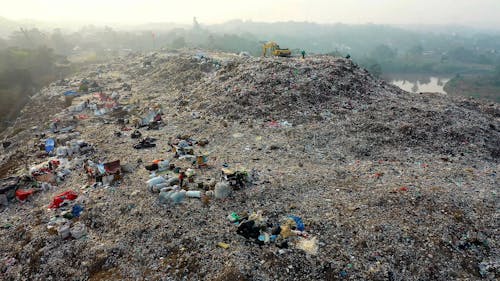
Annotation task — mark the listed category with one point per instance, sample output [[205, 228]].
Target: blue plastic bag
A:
[[298, 222], [49, 145]]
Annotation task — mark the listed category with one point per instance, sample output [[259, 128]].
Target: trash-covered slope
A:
[[389, 185], [288, 89], [339, 95]]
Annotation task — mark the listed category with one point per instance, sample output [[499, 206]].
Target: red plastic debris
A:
[[59, 199], [101, 96], [110, 105], [403, 188], [112, 167], [157, 118], [23, 194], [157, 161], [274, 124], [55, 163]]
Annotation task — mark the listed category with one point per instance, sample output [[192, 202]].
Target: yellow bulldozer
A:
[[275, 50]]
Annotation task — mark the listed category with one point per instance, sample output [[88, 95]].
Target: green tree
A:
[[383, 52], [375, 69], [179, 42], [59, 43], [416, 51], [28, 38], [496, 75], [462, 54]]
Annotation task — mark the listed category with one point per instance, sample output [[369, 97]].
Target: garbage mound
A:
[[349, 104], [182, 71], [290, 90], [196, 165]]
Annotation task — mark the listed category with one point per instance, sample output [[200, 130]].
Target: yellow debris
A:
[[223, 245], [309, 246]]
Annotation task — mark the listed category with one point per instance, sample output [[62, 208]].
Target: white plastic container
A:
[[154, 181], [78, 230], [193, 194], [63, 231]]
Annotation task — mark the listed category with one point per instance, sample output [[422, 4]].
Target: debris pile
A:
[[128, 170], [66, 222], [289, 90], [290, 232]]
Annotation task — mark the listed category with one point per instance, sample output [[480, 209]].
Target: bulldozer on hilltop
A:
[[275, 50]]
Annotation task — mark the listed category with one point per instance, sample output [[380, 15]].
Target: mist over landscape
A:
[[249, 140], [409, 42]]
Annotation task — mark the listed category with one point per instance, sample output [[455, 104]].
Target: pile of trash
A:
[[152, 120], [20, 189], [347, 101], [103, 174], [67, 208], [288, 90], [61, 162], [176, 178], [131, 169], [290, 232]]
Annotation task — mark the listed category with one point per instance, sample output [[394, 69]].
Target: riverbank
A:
[[418, 82], [480, 87], [484, 87]]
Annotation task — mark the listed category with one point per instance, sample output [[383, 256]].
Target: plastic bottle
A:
[[178, 196], [164, 197], [173, 181], [174, 197], [163, 165], [193, 194], [154, 181]]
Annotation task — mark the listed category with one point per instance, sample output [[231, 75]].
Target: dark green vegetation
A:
[[22, 72], [483, 86]]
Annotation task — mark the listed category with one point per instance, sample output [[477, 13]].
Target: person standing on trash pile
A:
[[303, 53]]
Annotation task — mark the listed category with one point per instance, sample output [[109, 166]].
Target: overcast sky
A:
[[463, 12]]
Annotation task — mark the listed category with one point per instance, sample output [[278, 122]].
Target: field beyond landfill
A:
[[242, 168]]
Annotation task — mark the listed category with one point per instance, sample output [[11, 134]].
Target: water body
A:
[[419, 83]]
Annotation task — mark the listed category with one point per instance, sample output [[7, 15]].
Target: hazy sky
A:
[[463, 12]]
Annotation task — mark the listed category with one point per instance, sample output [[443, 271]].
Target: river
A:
[[418, 82]]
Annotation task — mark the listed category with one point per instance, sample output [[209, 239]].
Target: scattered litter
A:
[[340, 157], [60, 199], [223, 245]]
